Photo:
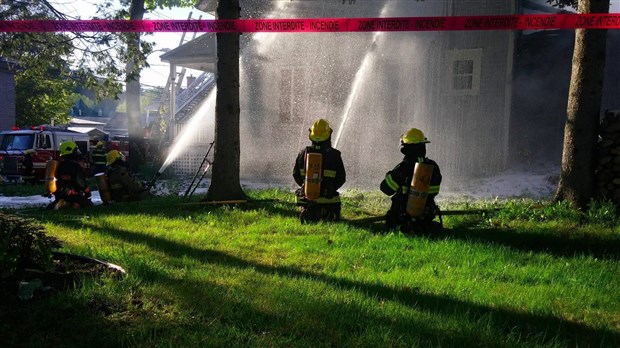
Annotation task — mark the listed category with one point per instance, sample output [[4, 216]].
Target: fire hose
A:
[[442, 213]]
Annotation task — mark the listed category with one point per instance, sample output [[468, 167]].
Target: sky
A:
[[157, 74]]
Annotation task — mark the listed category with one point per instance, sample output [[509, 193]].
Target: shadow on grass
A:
[[171, 207], [527, 326], [89, 321], [543, 240]]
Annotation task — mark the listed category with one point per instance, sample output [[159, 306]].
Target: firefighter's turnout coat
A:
[[71, 182], [98, 157], [123, 187], [397, 182], [333, 176]]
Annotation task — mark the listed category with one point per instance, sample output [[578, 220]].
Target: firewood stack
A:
[[608, 168]]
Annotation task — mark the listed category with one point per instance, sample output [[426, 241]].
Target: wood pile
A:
[[608, 167]]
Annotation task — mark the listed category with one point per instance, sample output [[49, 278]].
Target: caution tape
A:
[[505, 22]]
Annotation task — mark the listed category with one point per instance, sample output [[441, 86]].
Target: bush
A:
[[24, 244], [603, 212]]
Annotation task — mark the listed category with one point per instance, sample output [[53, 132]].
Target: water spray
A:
[[357, 84], [151, 183], [183, 139]]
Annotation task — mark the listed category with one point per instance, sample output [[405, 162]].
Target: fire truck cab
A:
[[45, 142]]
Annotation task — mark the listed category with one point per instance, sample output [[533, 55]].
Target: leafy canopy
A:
[[49, 66]]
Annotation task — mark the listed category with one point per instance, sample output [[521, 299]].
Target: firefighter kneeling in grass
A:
[[123, 187], [413, 185], [72, 189], [320, 173]]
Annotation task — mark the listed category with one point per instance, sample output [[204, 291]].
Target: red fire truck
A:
[[45, 141]]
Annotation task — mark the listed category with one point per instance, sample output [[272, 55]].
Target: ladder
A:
[[194, 184]]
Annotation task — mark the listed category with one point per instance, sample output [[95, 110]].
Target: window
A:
[[464, 71], [44, 141], [82, 146], [17, 142], [291, 97], [463, 74]]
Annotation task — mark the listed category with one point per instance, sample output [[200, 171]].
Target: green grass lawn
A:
[[251, 275]]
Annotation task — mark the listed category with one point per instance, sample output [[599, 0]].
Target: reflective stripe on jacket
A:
[[98, 156], [397, 181]]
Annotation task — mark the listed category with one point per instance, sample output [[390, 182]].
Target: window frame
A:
[[452, 57]]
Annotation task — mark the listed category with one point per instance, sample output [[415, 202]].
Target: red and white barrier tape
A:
[[508, 22]]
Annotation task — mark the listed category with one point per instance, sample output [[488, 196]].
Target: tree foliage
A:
[[53, 63], [43, 99], [147, 97], [129, 51], [64, 58], [133, 54]]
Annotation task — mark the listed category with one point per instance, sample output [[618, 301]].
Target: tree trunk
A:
[[225, 183], [132, 91], [576, 183]]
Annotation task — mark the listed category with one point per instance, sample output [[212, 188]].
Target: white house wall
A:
[[404, 85]]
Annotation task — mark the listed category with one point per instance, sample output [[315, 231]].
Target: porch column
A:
[[173, 100]]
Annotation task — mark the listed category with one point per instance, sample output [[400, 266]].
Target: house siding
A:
[[398, 79], [7, 99]]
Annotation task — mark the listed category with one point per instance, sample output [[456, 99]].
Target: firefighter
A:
[[123, 187], [399, 181], [319, 171], [72, 189], [29, 175], [98, 158]]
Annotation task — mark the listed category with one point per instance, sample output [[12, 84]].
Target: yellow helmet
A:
[[320, 130], [28, 152], [68, 147], [99, 143], [114, 155], [413, 136]]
